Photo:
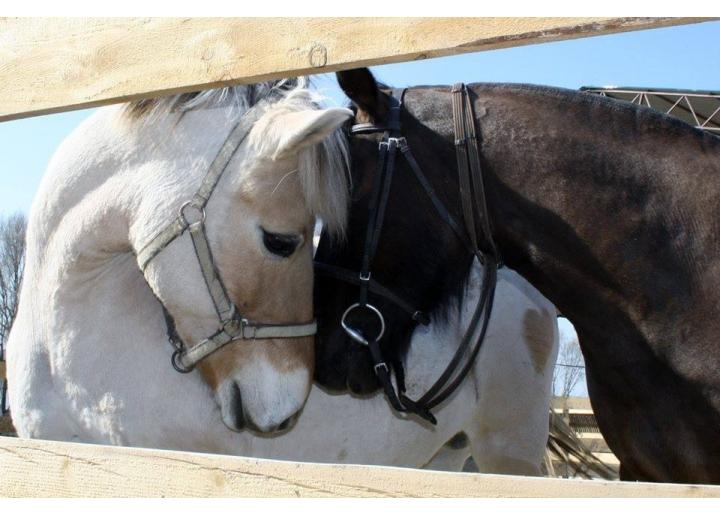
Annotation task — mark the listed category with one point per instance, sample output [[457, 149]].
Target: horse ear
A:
[[360, 87], [306, 128]]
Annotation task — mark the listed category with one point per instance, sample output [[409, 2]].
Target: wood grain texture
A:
[[56, 64], [52, 469]]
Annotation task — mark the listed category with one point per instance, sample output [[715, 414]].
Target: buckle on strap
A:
[[380, 365], [401, 144], [367, 128], [245, 324]]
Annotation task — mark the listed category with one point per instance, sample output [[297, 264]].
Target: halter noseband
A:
[[232, 326], [475, 217]]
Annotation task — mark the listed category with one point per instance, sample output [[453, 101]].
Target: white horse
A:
[[88, 357], [122, 391]]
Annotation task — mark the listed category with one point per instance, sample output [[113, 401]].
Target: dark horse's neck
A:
[[609, 211]]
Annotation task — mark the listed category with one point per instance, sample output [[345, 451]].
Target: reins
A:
[[477, 229], [232, 325]]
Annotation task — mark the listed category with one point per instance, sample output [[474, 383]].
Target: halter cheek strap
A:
[[232, 326]]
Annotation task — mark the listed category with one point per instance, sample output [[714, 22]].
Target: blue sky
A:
[[684, 57]]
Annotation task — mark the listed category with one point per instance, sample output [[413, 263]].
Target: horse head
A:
[[238, 292], [419, 259]]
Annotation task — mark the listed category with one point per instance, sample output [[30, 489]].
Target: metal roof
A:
[[700, 109]]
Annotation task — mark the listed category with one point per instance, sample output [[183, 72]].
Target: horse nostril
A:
[[233, 414], [240, 413], [288, 422]]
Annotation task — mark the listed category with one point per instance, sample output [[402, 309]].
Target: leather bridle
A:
[[232, 325], [477, 229]]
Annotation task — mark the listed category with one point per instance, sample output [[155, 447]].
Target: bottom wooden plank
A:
[[53, 469]]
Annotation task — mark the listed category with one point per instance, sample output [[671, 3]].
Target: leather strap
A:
[[461, 98], [475, 214], [160, 241], [472, 193], [241, 330], [381, 191], [458, 91], [178, 226], [223, 306], [436, 394], [374, 287], [430, 191]]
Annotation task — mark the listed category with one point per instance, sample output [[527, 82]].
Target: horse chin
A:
[[362, 381], [343, 365]]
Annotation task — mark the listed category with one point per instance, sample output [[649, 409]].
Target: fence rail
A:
[[59, 64], [46, 468]]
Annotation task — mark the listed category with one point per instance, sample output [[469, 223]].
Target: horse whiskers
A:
[[283, 179]]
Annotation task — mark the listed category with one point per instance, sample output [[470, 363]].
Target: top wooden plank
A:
[[58, 64]]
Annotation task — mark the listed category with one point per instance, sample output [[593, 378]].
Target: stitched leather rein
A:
[[232, 325], [477, 230]]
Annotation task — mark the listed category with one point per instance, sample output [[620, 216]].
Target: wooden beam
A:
[[52, 469], [58, 64]]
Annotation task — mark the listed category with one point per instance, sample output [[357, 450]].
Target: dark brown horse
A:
[[609, 209]]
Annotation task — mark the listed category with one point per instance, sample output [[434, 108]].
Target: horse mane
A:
[[323, 169], [240, 98]]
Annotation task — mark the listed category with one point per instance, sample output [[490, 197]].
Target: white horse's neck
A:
[[87, 204], [85, 266], [100, 181], [434, 346]]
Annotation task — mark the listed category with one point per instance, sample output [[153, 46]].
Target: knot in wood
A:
[[318, 56]]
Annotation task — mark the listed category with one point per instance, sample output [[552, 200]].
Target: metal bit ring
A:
[[355, 334]]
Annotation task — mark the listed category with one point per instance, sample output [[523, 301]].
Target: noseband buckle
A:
[[245, 324], [356, 334]]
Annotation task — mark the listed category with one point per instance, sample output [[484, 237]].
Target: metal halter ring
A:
[[357, 336], [177, 363], [199, 210]]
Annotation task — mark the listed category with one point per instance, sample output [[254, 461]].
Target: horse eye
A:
[[280, 244]]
